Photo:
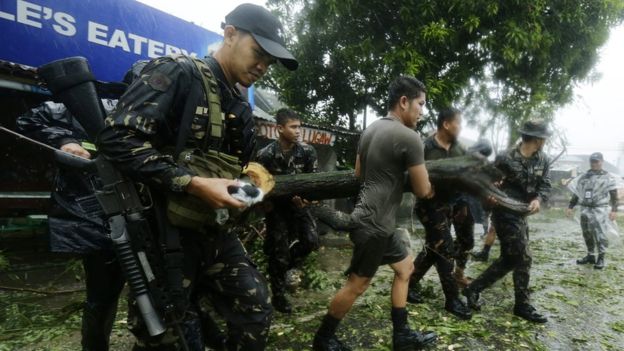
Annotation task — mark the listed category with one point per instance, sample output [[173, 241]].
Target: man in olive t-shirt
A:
[[388, 148]]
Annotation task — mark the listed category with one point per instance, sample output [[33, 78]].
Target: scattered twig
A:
[[42, 292]]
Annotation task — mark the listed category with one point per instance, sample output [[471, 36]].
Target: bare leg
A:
[[346, 296], [402, 272]]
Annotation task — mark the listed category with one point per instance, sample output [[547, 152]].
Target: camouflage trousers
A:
[[216, 268], [291, 237], [439, 247], [513, 232], [594, 235], [463, 223]]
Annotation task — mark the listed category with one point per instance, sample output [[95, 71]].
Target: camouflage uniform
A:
[[437, 215], [291, 231], [525, 179], [138, 138]]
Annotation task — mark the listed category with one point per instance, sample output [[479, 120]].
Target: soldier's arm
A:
[[573, 201], [501, 162], [48, 123], [613, 200], [544, 186], [312, 161], [139, 125]]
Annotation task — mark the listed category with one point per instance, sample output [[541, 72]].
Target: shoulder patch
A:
[[159, 81]]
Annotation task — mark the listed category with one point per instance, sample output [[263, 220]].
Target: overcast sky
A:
[[593, 122]]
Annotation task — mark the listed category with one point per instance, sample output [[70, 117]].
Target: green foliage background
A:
[[512, 59]]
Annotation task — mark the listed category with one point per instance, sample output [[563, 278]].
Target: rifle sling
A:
[[187, 118], [207, 84]]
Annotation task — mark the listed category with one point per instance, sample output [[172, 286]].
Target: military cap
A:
[[536, 128], [596, 156], [265, 28]]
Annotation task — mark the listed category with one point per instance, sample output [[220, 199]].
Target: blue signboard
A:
[[111, 34]]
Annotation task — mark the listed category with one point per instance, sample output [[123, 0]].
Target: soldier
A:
[[597, 190], [525, 177], [181, 128], [75, 222], [388, 148], [291, 229], [437, 214]]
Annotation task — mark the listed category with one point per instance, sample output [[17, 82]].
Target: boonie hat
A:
[[265, 28], [536, 128]]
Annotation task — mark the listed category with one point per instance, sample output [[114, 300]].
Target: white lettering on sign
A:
[[118, 39], [138, 42], [34, 15], [155, 48], [26, 12], [308, 135], [97, 33], [64, 24], [7, 16]]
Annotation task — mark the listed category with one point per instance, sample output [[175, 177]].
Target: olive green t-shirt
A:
[[387, 149]]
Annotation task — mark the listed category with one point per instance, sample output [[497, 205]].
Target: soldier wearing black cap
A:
[[183, 110], [596, 190], [525, 169]]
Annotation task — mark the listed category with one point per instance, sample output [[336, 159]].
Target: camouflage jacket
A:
[[142, 131], [301, 159], [525, 179]]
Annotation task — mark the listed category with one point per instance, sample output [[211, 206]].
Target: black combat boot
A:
[[529, 313], [587, 259], [407, 340], [281, 303], [458, 308], [414, 292], [472, 299], [323, 343], [414, 296], [601, 262], [481, 256]]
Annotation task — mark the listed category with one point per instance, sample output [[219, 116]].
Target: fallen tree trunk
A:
[[470, 174]]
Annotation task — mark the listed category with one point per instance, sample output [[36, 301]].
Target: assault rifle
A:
[[72, 83]]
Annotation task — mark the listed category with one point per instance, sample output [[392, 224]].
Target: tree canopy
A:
[[513, 58]]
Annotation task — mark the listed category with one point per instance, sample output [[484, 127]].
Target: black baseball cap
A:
[[596, 156], [265, 28]]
